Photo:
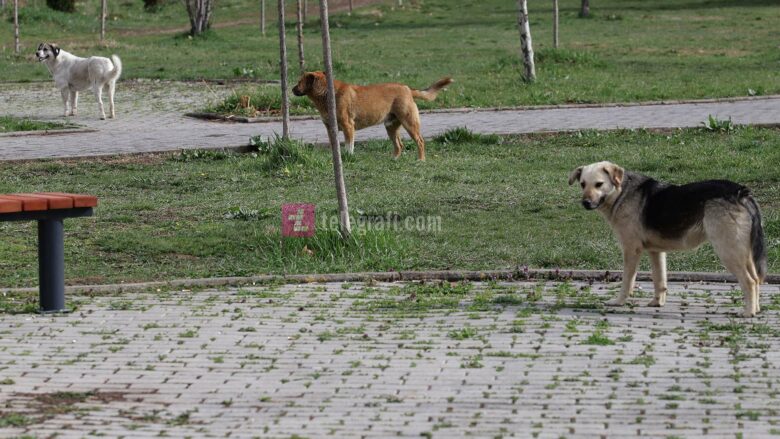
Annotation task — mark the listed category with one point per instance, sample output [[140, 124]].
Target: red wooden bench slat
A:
[[79, 200], [10, 206], [53, 201], [28, 203]]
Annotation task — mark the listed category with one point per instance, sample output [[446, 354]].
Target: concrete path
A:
[[150, 118], [392, 360]]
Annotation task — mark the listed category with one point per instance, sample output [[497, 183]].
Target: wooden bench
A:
[[49, 209]]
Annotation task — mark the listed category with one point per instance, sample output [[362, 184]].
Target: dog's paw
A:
[[615, 302], [656, 303], [748, 314]]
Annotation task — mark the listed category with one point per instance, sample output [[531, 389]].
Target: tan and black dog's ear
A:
[[575, 175], [615, 173]]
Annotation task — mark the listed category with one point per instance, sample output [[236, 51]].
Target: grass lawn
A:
[[502, 202], [629, 50], [10, 124]]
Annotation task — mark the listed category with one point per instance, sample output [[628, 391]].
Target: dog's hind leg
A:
[[111, 90], [413, 128], [394, 132], [631, 259], [658, 265], [74, 103], [98, 90], [730, 237]]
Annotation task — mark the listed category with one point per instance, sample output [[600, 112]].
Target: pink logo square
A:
[[298, 220]]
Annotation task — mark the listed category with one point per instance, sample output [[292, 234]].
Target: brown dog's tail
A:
[[430, 93]]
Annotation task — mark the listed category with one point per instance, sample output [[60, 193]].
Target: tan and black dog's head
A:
[[47, 51], [598, 181], [311, 84]]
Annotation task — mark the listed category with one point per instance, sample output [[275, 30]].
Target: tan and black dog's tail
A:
[[430, 93], [757, 241]]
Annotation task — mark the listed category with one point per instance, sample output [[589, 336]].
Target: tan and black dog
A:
[[647, 215], [361, 106]]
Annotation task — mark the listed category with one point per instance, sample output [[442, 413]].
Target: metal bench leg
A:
[[51, 265]]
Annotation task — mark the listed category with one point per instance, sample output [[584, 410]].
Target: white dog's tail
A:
[[117, 67]]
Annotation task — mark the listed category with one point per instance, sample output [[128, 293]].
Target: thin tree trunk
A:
[[525, 41], [333, 130], [16, 26], [103, 13], [283, 68], [350, 7], [262, 17], [301, 60], [555, 24], [304, 10], [585, 9]]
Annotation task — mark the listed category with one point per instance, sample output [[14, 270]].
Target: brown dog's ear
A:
[[615, 173], [317, 83], [575, 175]]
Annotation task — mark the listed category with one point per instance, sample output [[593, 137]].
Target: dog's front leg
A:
[[658, 265], [74, 103], [64, 92], [349, 138], [631, 258]]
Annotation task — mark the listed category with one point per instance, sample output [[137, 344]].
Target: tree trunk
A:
[[199, 12], [585, 9], [16, 26], [283, 68], [262, 17], [103, 13], [525, 41], [350, 7], [333, 130], [555, 24], [301, 60], [304, 10]]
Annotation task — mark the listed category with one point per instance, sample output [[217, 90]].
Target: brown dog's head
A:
[[311, 84], [46, 51], [598, 181]]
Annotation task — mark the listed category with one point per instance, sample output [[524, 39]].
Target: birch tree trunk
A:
[[199, 12], [283, 68], [333, 130], [103, 13], [585, 9], [304, 10], [555, 24], [16, 26], [301, 60], [262, 17], [525, 41]]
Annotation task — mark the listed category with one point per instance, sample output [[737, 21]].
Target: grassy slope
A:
[[631, 49], [502, 204]]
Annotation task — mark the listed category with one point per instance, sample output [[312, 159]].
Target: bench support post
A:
[[51, 265]]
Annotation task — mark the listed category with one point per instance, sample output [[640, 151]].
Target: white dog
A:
[[73, 74]]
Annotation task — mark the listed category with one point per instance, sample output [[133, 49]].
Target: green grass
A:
[[11, 124], [498, 204], [629, 50]]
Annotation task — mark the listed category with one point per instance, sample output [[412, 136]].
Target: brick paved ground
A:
[[150, 118], [349, 360]]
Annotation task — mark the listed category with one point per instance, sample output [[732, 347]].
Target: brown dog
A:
[[359, 106]]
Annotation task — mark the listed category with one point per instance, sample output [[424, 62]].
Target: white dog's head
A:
[[47, 51], [598, 182]]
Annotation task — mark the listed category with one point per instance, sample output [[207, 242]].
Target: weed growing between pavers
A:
[[11, 124]]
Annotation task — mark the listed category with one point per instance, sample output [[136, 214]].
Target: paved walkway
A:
[[348, 360], [150, 118]]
